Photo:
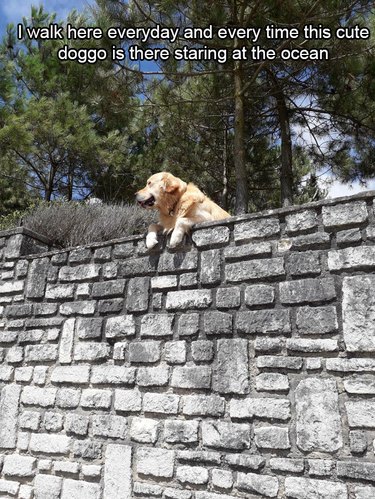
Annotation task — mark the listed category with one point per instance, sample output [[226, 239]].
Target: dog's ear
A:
[[171, 185]]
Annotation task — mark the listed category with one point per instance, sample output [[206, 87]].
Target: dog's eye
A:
[[148, 183]]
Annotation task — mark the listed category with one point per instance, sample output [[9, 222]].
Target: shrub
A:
[[68, 224]]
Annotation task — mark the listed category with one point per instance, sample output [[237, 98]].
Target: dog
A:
[[180, 206]]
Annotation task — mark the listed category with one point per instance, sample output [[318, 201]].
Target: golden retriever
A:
[[180, 206]]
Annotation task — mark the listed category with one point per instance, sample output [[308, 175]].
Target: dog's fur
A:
[[180, 206]]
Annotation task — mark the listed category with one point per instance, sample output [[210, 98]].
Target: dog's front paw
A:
[[151, 240], [176, 239]]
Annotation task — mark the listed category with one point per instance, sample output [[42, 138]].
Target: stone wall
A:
[[241, 365]]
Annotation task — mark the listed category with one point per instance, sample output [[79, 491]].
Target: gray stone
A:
[[286, 464], [344, 214], [316, 320], [358, 441], [356, 469], [266, 485], [228, 297], [191, 377], [196, 475], [210, 267], [259, 294], [222, 479], [265, 408], [301, 221], [268, 321], [47, 486], [256, 229], [176, 262], [360, 385], [108, 289], [120, 327], [86, 307], [217, 323], [80, 273], [306, 263], [225, 435], [279, 362], [188, 325], [137, 294], [247, 251], [318, 418], [211, 236], [307, 345], [161, 403], [164, 282], [307, 290], [179, 431], [66, 342], [320, 467], [89, 328], [272, 382], [348, 236], [182, 300], [306, 488], [350, 365], [155, 462], [144, 430], [18, 466], [78, 489], [59, 291], [144, 351], [254, 269], [203, 405], [361, 414], [116, 375], [96, 399], [77, 424], [153, 376], [202, 350], [49, 444], [128, 400], [117, 472], [90, 351], [9, 403], [358, 309], [175, 352], [154, 325], [71, 374], [231, 374], [272, 437], [364, 492], [360, 257], [37, 278], [109, 426]]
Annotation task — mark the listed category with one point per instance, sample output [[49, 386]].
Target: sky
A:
[[14, 10]]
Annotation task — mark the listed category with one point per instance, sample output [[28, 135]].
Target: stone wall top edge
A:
[[289, 209], [26, 232], [205, 225]]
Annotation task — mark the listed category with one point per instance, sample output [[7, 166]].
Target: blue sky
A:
[[14, 10]]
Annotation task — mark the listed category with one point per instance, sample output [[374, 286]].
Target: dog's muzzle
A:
[[145, 203]]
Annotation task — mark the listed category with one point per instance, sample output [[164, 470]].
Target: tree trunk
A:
[[224, 193], [239, 141], [286, 174]]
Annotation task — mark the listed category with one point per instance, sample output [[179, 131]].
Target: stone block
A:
[[223, 435], [318, 418], [250, 270], [155, 462], [307, 290], [231, 374]]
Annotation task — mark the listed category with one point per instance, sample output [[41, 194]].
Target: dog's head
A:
[[161, 191]]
